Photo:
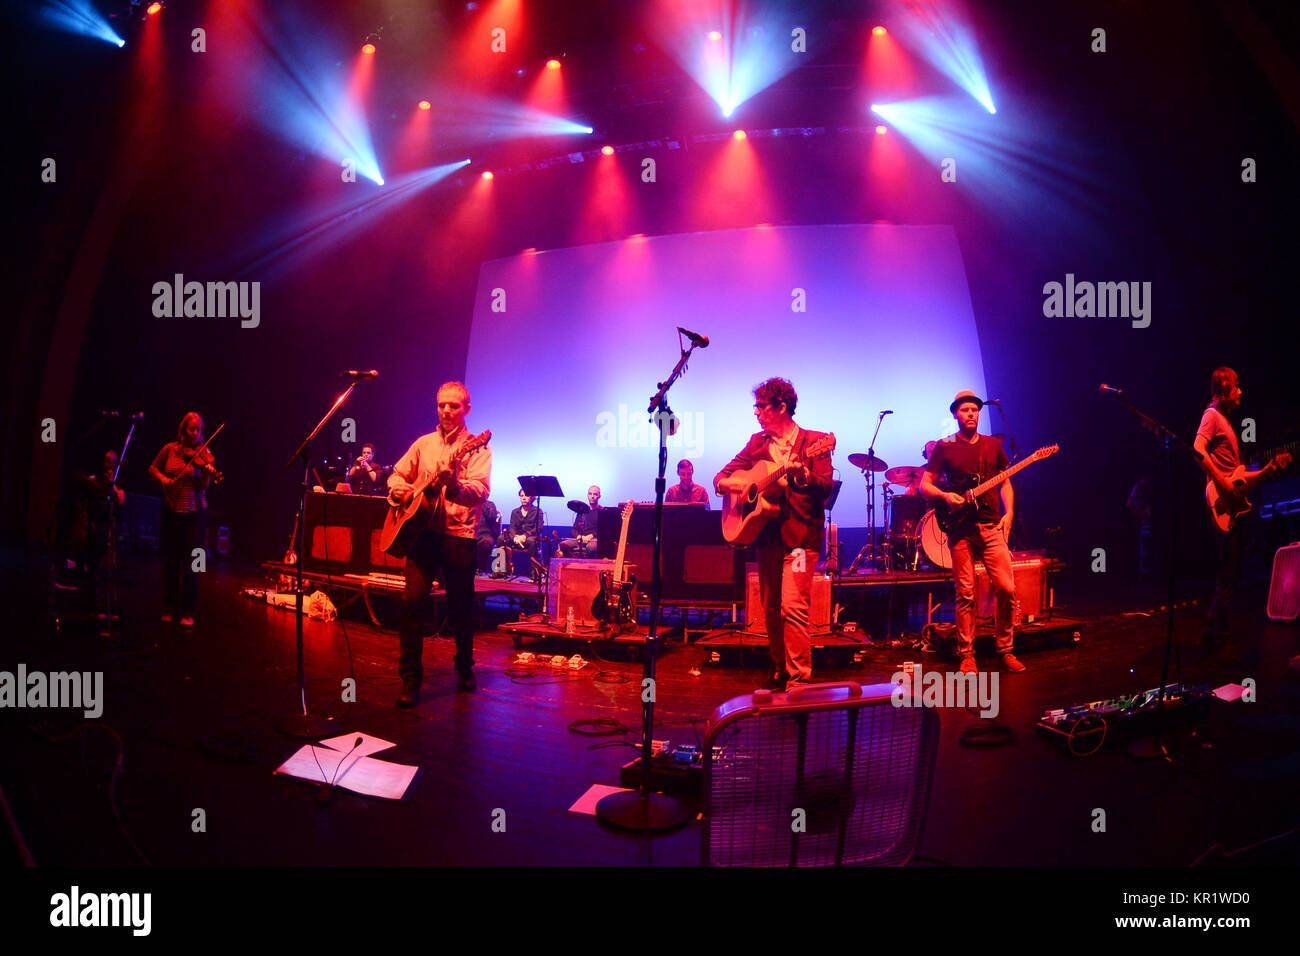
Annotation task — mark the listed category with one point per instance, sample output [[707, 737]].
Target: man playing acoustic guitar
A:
[[960, 458], [788, 546], [1216, 440], [447, 543]]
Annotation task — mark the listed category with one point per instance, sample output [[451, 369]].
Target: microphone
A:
[[699, 341], [138, 417], [886, 412], [992, 401], [360, 373], [1108, 390], [325, 791], [108, 414]]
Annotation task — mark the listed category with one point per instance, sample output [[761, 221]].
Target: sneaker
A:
[[968, 664], [1010, 662], [187, 622], [409, 696], [777, 681], [167, 618]]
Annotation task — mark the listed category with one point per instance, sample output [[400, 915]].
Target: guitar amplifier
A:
[[1284, 588], [343, 535], [819, 611], [574, 583], [1030, 571]]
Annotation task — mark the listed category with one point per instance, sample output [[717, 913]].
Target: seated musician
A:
[[583, 542], [686, 490], [525, 529]]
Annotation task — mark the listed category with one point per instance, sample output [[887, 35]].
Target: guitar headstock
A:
[[628, 508], [471, 445], [822, 446], [1045, 452]]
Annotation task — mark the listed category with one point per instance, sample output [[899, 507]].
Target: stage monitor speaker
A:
[[574, 583], [819, 613], [1284, 588], [343, 535], [840, 759]]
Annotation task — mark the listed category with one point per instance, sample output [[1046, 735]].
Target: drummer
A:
[[914, 488], [583, 542]]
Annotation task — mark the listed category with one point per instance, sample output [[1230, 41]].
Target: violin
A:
[[201, 457]]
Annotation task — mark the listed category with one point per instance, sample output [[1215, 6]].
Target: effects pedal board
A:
[[1086, 727]]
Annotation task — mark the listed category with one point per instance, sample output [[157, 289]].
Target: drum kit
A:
[[913, 535]]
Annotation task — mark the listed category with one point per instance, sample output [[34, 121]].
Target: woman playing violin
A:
[[185, 469]]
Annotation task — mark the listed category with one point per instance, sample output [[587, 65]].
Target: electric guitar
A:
[[403, 523], [615, 602], [950, 517], [744, 513], [1225, 509]]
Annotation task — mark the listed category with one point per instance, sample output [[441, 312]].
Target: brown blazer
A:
[[802, 520]]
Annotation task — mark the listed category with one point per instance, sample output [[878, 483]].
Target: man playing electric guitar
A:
[[1216, 440], [788, 546], [964, 459], [445, 548]]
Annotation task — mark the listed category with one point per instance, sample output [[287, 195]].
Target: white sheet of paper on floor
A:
[[369, 745], [364, 775], [587, 802], [1229, 692]]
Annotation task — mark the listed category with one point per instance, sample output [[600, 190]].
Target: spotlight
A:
[[738, 134], [552, 64], [881, 130], [153, 8], [878, 31], [607, 150], [715, 36], [487, 174], [368, 49], [425, 104]]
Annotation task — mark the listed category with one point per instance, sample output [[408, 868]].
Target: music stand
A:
[[538, 487]]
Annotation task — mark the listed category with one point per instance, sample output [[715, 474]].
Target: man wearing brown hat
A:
[[963, 460]]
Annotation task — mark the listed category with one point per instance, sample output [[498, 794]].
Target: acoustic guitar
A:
[[403, 523], [745, 513]]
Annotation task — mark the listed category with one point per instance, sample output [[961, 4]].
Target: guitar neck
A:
[[622, 549], [1000, 477]]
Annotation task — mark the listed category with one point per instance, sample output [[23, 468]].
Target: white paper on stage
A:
[[364, 775], [587, 802]]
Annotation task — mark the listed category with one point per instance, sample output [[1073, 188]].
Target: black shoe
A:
[[467, 681], [409, 696], [777, 681]]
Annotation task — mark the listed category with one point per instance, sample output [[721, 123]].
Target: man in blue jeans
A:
[[960, 459]]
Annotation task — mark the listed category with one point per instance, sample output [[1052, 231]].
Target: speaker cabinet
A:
[[1031, 587], [1284, 588], [819, 613], [574, 583]]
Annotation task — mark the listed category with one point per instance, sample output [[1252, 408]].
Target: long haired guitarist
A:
[[789, 544], [964, 460], [454, 487], [1229, 481]]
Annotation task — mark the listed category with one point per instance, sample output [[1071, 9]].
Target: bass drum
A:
[[934, 542]]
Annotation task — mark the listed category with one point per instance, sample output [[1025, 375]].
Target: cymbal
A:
[[867, 463], [905, 474], [579, 507]]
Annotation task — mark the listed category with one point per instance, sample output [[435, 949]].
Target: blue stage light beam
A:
[[79, 16], [940, 31], [733, 50], [305, 97], [300, 237], [474, 119]]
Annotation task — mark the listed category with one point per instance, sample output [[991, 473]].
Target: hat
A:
[[965, 395]]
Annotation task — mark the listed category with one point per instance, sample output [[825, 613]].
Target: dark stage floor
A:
[[1231, 779]]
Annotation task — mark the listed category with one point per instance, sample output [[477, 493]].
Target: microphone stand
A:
[[643, 809], [110, 559], [304, 723], [1017, 525], [1169, 440], [871, 489]]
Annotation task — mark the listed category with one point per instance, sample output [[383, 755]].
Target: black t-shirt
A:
[[957, 460]]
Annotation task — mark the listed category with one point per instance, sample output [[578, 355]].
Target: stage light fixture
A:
[[368, 48], [715, 36], [878, 31], [881, 130], [738, 134], [153, 8], [607, 150], [425, 105], [552, 64], [487, 174]]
